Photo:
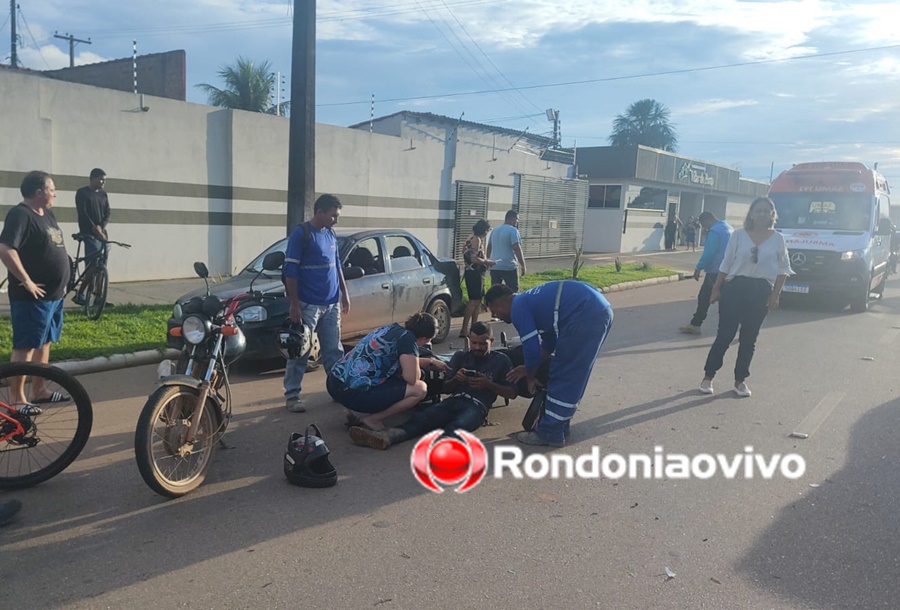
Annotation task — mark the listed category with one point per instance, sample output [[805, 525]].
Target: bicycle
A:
[[38, 441], [94, 294]]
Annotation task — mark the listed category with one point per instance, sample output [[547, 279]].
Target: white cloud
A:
[[714, 105]]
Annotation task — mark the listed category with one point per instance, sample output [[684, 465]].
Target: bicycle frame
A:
[[91, 262], [10, 426]]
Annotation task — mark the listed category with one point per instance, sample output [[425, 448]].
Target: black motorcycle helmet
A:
[[294, 340], [306, 461]]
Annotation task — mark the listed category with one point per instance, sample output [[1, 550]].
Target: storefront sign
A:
[[696, 174]]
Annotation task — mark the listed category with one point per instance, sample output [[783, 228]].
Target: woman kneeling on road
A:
[[381, 376]]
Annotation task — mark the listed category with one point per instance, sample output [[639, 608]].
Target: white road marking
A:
[[818, 415]]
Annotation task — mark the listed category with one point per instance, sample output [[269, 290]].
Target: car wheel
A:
[[441, 312], [859, 301]]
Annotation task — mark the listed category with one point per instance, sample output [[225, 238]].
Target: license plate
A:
[[798, 288]]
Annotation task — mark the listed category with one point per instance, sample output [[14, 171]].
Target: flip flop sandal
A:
[[54, 397], [29, 409]]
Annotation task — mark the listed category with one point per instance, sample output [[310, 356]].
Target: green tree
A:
[[646, 122], [248, 86]]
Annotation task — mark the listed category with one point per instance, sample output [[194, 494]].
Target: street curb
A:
[[116, 361], [639, 283]]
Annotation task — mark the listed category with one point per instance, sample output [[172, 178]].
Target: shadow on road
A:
[[837, 547]]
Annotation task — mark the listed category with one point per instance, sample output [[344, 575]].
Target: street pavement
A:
[[97, 537]]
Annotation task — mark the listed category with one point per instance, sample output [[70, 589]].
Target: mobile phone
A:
[[470, 373]]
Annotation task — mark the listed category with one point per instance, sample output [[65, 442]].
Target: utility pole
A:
[[72, 40], [14, 58], [302, 138]]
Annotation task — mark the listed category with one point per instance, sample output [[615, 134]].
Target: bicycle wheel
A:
[[168, 465], [95, 295], [37, 446]]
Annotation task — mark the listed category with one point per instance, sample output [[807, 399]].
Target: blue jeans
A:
[[325, 320], [450, 414]]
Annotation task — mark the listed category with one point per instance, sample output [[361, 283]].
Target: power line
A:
[[493, 65], [474, 64], [36, 45], [273, 22], [629, 77], [485, 78]]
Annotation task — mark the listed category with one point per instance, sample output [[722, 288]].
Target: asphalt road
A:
[[97, 537]]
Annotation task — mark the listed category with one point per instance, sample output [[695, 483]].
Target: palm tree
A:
[[645, 122], [247, 87]]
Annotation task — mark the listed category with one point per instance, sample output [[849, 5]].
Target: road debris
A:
[[669, 573]]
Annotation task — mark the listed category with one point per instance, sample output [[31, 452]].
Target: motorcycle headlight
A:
[[194, 329], [255, 313]]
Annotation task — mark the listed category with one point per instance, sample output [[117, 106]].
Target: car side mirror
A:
[[273, 261], [201, 270], [884, 227]]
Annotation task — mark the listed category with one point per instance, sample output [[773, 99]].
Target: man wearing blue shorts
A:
[[32, 249]]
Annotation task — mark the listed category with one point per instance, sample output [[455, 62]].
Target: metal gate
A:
[[551, 215], [471, 204]]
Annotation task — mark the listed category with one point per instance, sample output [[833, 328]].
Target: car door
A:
[[413, 281], [369, 286]]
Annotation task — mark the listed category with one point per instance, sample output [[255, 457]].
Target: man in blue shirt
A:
[[718, 232], [568, 320], [315, 286], [504, 247]]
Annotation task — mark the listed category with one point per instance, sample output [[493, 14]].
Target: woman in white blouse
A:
[[750, 279]]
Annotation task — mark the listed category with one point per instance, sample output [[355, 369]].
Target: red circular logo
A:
[[448, 461]]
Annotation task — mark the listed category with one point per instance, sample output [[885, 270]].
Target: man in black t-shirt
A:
[[32, 249], [478, 376], [92, 204]]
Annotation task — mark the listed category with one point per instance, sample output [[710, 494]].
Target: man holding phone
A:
[[476, 378]]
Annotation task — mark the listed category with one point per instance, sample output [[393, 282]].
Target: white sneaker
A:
[[742, 390], [706, 386], [690, 329]]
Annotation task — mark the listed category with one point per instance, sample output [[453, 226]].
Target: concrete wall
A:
[[159, 74], [605, 230], [192, 182]]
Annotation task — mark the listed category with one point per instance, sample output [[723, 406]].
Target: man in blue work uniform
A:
[[568, 320], [718, 232], [317, 292]]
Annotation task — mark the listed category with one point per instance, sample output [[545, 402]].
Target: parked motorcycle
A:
[[186, 416]]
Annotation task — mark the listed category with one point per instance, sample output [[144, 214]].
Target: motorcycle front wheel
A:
[[168, 465]]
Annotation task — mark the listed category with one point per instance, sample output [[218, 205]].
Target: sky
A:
[[756, 84]]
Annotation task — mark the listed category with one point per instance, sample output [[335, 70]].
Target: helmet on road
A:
[[306, 461], [294, 340]]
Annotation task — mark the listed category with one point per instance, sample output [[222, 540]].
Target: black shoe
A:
[[8, 510], [78, 299]]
